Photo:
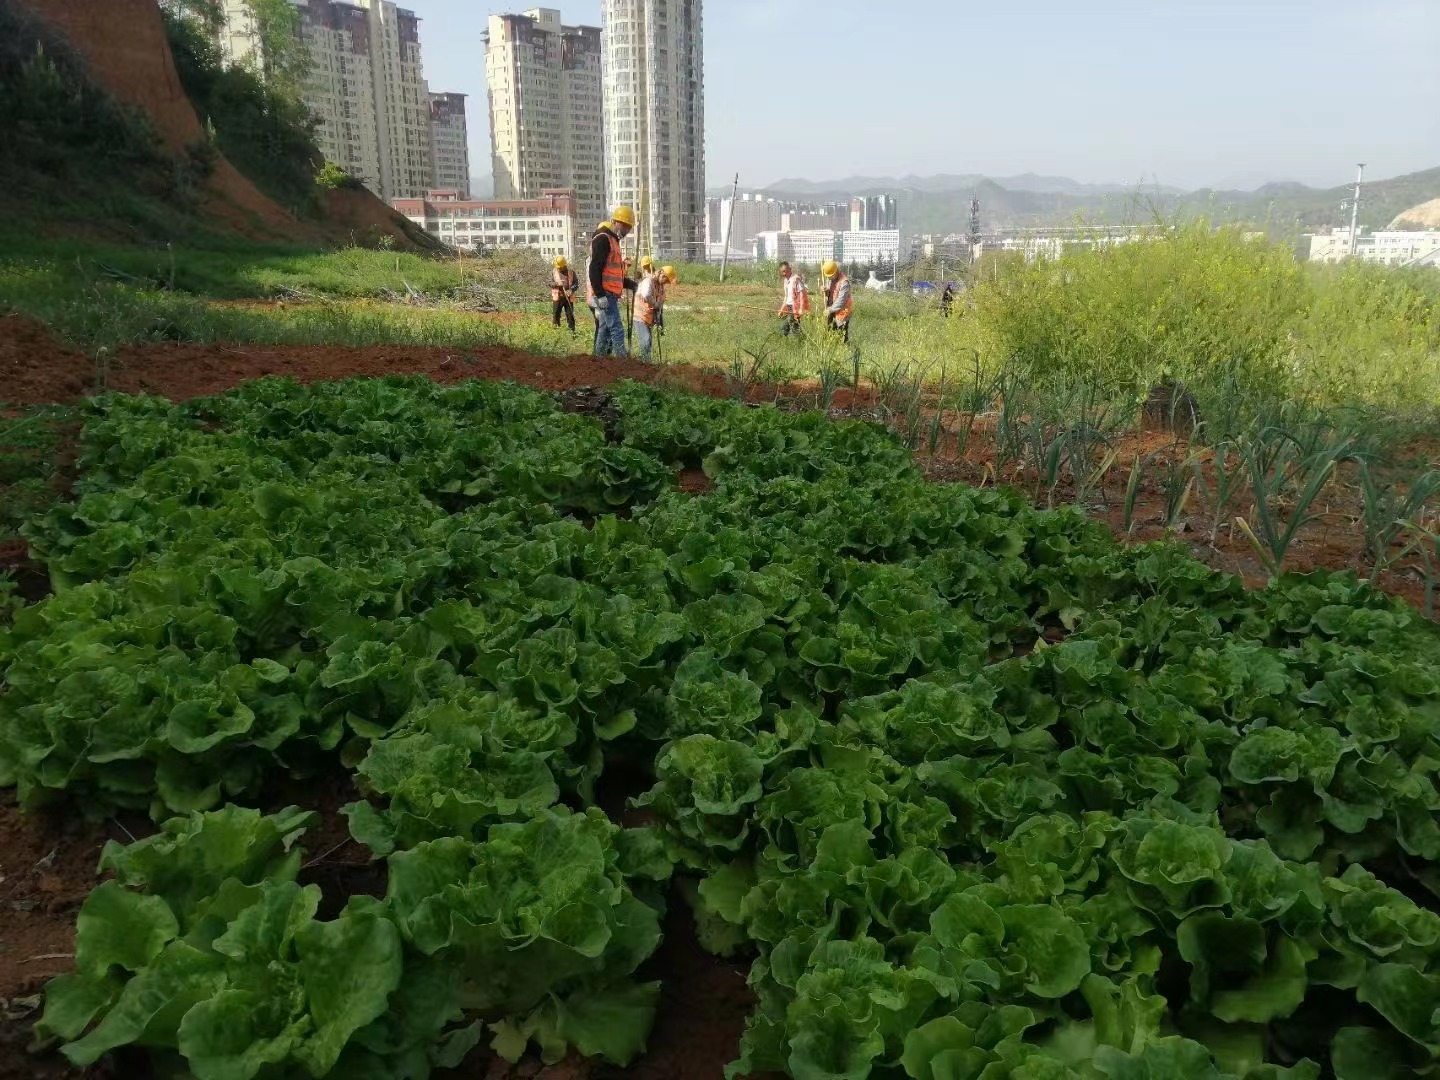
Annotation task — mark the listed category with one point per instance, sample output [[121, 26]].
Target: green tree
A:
[[284, 58]]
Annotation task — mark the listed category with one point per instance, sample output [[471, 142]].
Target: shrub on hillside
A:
[[333, 177], [259, 124]]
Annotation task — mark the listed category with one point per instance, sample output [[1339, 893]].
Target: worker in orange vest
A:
[[563, 284], [838, 303], [605, 281], [794, 303], [650, 306]]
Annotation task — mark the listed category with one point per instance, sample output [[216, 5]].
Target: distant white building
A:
[[549, 224], [808, 246], [870, 245], [1386, 248], [1052, 243], [811, 246], [874, 213], [238, 33], [367, 90], [745, 218]]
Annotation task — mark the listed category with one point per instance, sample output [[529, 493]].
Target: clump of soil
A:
[[35, 369]]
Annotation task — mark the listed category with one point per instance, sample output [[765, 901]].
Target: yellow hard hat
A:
[[829, 268], [646, 262], [669, 273], [623, 215], [560, 263]]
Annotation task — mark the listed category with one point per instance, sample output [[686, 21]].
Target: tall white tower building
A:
[[654, 93]]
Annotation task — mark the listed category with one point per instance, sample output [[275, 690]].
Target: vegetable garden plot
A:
[[984, 794]]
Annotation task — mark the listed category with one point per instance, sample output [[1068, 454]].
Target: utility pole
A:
[[729, 224], [1355, 210], [974, 228]]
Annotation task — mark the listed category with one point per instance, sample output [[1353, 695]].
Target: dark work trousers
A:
[[789, 324], [566, 305], [843, 327]]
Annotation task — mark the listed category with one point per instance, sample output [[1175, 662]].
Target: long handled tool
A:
[[630, 325]]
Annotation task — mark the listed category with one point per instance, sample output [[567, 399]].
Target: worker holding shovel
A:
[[605, 281], [563, 284], [650, 307]]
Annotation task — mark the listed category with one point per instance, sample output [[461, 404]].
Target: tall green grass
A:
[[1216, 310]]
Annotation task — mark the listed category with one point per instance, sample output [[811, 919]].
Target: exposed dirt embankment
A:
[[124, 44], [123, 41]]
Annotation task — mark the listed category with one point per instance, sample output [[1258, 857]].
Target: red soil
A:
[[47, 866], [35, 369]]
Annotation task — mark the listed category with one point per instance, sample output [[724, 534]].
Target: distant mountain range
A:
[[941, 204], [951, 182]]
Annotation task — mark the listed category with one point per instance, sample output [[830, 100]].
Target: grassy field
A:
[[1207, 308]]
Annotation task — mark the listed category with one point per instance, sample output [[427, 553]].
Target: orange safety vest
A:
[[843, 315], [613, 279], [645, 309], [561, 282], [801, 304]]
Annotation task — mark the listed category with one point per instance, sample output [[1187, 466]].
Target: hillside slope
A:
[[1424, 216], [125, 51], [123, 41]]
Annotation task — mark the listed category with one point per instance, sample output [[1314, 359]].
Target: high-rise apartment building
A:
[[546, 122], [743, 218], [367, 90], [449, 144], [654, 93]]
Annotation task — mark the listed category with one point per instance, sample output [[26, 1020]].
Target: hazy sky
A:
[[1185, 92]]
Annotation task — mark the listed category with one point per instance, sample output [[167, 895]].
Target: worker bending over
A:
[[563, 284], [794, 302], [838, 303], [605, 281], [650, 306]]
